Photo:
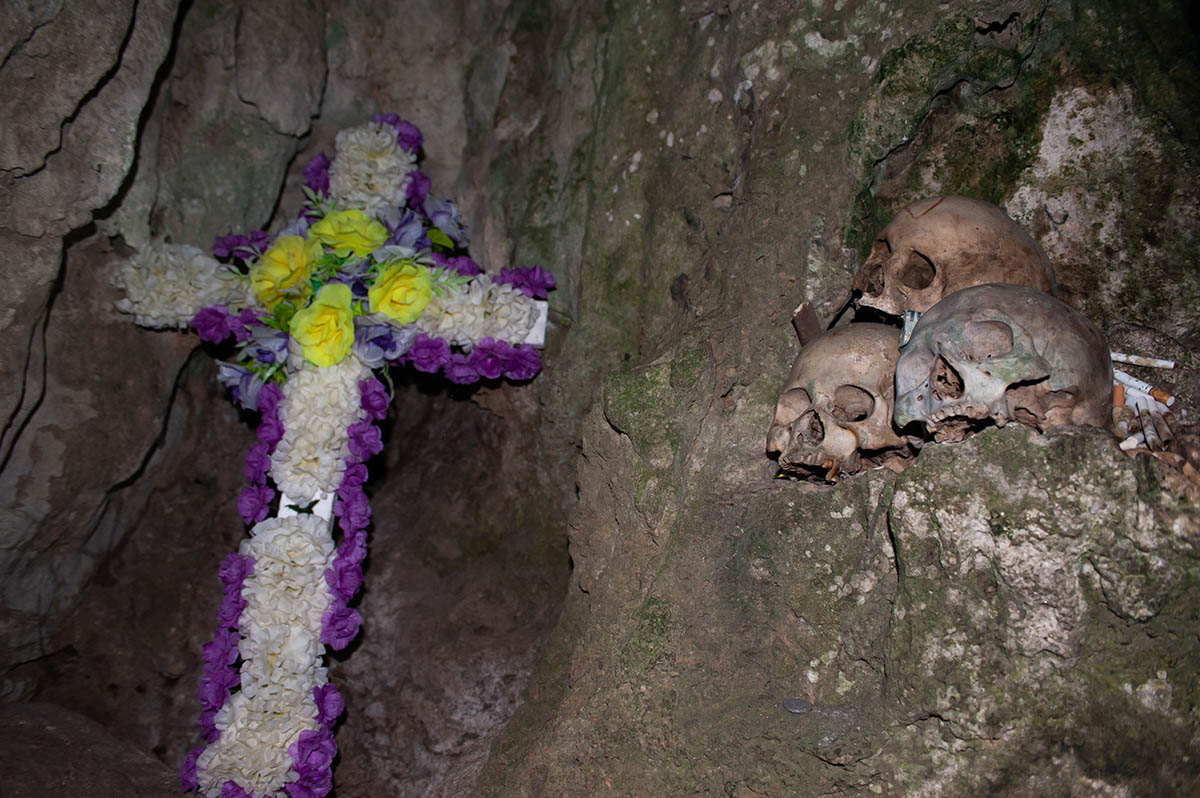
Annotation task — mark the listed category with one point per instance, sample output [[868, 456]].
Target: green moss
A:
[[649, 640], [690, 360], [641, 404]]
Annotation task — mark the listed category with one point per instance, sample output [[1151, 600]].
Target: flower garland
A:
[[372, 273]]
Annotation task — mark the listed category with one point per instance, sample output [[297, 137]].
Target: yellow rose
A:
[[286, 264], [401, 292], [326, 327], [347, 232]]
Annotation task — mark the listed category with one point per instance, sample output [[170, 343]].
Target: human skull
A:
[[998, 353], [940, 245], [834, 415]]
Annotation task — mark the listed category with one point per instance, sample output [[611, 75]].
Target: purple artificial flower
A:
[[244, 322], [408, 135], [529, 280], [354, 476], [329, 704], [231, 789], [312, 758], [365, 439], [459, 263], [231, 607], [267, 345], [224, 246], [488, 357], [258, 242], [316, 174], [375, 398], [240, 246], [539, 280], [212, 324], [353, 508], [268, 399], [354, 546], [445, 216], [354, 273], [234, 569], [255, 503], [339, 625], [429, 354], [418, 188], [215, 686], [344, 578], [245, 383], [258, 462], [187, 773], [377, 339], [270, 430], [208, 725], [314, 750], [302, 789], [522, 363], [459, 371], [222, 650], [409, 231]]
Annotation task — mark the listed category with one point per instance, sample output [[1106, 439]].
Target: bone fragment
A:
[[1132, 442], [804, 319]]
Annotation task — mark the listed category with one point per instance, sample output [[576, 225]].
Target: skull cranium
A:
[[940, 245], [834, 415], [998, 353]]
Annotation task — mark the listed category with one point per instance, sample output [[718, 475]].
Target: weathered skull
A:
[[834, 415], [940, 245], [1000, 353]]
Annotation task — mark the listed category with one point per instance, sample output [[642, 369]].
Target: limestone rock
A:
[[46, 194], [49, 750]]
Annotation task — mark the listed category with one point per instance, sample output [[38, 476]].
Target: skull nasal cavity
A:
[[851, 403], [946, 382], [874, 284], [918, 273], [984, 339], [811, 429]]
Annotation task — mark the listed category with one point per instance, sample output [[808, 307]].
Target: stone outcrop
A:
[[49, 750], [690, 173]]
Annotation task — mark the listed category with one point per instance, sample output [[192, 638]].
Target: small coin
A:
[[797, 705]]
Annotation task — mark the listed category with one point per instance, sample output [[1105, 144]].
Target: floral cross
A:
[[373, 273]]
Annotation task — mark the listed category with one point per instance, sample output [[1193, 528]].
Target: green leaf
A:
[[438, 238], [304, 509]]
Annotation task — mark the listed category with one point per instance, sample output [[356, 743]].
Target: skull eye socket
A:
[[986, 339], [792, 404], [947, 384], [918, 272], [851, 404], [872, 280]]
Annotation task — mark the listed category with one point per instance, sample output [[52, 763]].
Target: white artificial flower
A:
[[319, 404], [510, 314], [281, 654], [457, 317], [370, 171], [478, 310], [165, 285]]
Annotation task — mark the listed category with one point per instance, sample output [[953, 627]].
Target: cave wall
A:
[[690, 173]]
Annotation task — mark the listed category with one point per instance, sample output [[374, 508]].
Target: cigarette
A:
[[1144, 387], [1139, 400], [1118, 394], [1139, 360]]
